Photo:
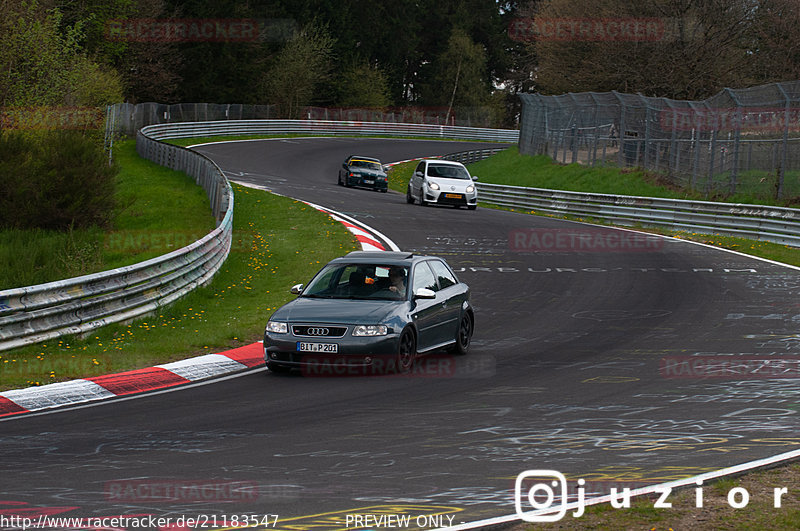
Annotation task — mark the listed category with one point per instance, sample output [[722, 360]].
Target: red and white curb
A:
[[366, 235], [73, 392]]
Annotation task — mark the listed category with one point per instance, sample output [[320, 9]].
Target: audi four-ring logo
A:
[[317, 331]]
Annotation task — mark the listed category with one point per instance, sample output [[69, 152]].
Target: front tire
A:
[[277, 369], [472, 207], [422, 201], [406, 351]]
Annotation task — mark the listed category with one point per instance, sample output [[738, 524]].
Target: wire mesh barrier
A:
[[738, 141]]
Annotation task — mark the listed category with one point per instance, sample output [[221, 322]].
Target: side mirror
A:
[[474, 177], [424, 293], [297, 289], [418, 174]]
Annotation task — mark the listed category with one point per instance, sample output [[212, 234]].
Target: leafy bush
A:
[[54, 180]]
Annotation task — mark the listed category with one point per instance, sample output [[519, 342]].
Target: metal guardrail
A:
[[476, 155], [757, 222], [327, 128], [77, 305]]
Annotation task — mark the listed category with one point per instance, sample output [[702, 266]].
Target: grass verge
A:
[[509, 167], [278, 242], [158, 209], [717, 511]]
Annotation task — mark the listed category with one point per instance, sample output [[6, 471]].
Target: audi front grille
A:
[[318, 331]]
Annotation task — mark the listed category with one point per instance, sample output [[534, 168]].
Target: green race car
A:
[[366, 172]]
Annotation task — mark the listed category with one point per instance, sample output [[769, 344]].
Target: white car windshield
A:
[[359, 281], [447, 171]]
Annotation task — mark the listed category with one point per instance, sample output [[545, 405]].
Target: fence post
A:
[[713, 149], [621, 132], [737, 136], [646, 160], [785, 143]]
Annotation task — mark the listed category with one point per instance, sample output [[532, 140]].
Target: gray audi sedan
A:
[[375, 310]]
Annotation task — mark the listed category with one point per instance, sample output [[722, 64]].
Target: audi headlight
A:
[[277, 328], [470, 189], [370, 330], [433, 186]]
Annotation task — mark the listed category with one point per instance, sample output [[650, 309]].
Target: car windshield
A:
[[447, 171], [359, 281], [370, 165]]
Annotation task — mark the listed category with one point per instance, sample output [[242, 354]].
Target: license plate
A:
[[317, 347], [453, 196], [367, 181]]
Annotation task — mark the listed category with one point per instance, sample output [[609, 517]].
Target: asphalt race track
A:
[[580, 364]]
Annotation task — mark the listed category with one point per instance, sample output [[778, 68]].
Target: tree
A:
[[695, 48], [299, 70], [151, 69], [458, 76], [42, 63], [776, 49], [362, 86]]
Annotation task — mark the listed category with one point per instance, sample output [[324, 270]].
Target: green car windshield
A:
[[359, 281], [368, 164]]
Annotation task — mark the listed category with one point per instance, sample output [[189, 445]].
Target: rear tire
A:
[[409, 197], [463, 335]]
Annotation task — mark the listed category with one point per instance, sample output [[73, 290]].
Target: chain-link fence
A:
[[738, 141], [127, 118]]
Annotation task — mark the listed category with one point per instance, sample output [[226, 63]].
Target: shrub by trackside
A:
[[54, 180]]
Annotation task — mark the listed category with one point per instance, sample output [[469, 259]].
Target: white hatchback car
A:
[[442, 182]]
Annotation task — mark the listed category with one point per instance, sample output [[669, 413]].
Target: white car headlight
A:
[[470, 189], [370, 330], [433, 186], [277, 328]]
